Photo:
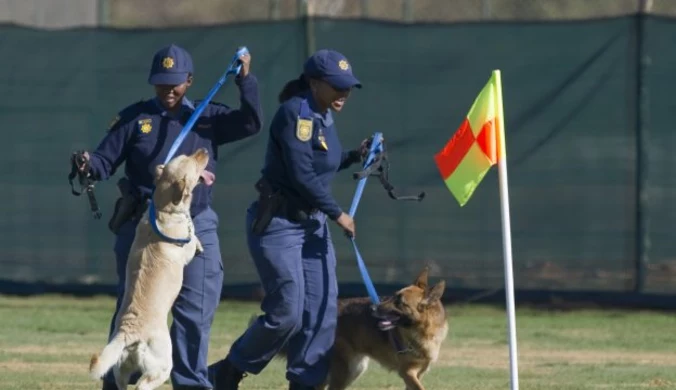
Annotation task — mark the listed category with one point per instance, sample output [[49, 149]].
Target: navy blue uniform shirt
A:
[[144, 132], [302, 162]]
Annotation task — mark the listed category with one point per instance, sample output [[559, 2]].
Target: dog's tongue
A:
[[208, 177]]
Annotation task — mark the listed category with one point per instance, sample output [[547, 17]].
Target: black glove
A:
[[355, 156], [365, 147], [79, 162]]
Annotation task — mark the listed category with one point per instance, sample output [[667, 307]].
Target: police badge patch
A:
[[145, 125], [304, 129]]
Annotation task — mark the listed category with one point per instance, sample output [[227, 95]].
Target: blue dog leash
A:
[[375, 160], [375, 156], [234, 68], [376, 147]]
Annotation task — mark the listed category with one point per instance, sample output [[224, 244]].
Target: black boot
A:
[[227, 376], [297, 386], [109, 386]]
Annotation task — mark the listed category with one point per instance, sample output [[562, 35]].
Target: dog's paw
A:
[[199, 248]]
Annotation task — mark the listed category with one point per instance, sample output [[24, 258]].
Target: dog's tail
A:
[[101, 363], [283, 352]]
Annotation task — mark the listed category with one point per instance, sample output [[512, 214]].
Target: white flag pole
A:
[[506, 235]]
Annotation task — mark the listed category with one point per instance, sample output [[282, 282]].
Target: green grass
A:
[[46, 342]]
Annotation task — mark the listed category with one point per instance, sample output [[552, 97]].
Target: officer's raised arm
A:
[[236, 124]]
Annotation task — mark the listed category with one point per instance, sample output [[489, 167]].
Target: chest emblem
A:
[[145, 125], [322, 140], [304, 129]]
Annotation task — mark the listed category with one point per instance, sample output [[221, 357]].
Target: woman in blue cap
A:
[[141, 136], [287, 229]]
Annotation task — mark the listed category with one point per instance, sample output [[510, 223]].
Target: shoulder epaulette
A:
[[127, 114]]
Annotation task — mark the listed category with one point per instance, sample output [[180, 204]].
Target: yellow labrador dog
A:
[[141, 339]]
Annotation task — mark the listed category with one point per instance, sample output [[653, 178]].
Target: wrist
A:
[[355, 156], [239, 80], [335, 214]]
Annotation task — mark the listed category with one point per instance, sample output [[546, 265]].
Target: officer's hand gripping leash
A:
[[374, 162], [380, 166], [234, 68], [78, 159]]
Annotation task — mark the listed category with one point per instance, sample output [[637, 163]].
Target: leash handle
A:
[[234, 68], [376, 147], [236, 63]]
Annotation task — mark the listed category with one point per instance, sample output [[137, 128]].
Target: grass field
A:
[[46, 342]]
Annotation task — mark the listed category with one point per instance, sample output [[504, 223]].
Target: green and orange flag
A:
[[477, 144]]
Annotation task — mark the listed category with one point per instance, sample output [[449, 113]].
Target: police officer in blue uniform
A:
[[141, 135], [287, 229]]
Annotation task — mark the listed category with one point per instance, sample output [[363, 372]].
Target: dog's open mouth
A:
[[386, 321], [207, 177]]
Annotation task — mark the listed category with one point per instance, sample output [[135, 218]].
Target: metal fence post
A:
[[274, 9], [642, 148], [486, 9], [103, 12], [365, 8], [408, 10], [306, 11]]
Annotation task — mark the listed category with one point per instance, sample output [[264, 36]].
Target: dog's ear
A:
[[421, 280], [178, 191], [432, 295], [437, 291]]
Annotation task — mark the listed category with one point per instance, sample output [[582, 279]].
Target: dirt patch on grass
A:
[[75, 357], [603, 357], [656, 383], [70, 349], [482, 356], [590, 334], [69, 386], [60, 368]]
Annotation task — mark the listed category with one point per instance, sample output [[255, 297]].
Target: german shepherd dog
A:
[[403, 334]]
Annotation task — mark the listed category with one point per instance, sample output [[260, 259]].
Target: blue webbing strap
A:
[[376, 147]]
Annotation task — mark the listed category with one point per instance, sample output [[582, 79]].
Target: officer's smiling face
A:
[[171, 95], [329, 97]]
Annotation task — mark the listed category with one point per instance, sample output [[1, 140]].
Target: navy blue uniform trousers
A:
[[296, 263], [193, 311]]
